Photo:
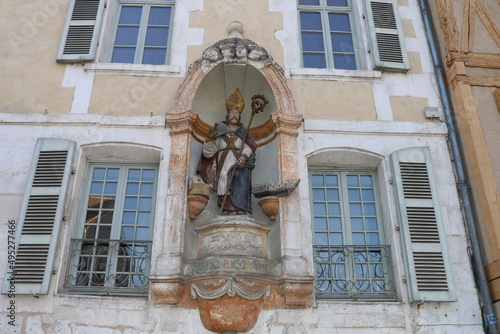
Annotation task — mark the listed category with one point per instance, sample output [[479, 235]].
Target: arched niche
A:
[[200, 102], [209, 106]]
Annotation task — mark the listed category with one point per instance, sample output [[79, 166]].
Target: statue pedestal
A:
[[232, 235], [230, 276]]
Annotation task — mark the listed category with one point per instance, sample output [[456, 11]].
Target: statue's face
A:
[[234, 117]]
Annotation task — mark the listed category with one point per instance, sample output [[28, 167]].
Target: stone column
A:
[[166, 282]]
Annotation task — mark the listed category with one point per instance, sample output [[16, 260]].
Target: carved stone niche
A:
[[233, 266]]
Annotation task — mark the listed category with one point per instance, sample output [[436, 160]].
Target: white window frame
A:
[[142, 28], [324, 10], [348, 251], [377, 45], [108, 287]]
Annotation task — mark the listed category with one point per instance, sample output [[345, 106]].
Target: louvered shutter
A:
[[386, 36], [81, 31], [40, 217], [428, 272]]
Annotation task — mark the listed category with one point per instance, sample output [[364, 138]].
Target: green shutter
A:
[[386, 36], [428, 272], [40, 217], [81, 31]]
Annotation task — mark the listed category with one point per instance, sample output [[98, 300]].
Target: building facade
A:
[[468, 34], [108, 228]]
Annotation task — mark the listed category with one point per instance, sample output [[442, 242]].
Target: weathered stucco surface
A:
[[106, 108]]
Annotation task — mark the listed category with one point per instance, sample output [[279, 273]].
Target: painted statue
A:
[[226, 151]]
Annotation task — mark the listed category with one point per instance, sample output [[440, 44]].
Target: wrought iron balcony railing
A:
[[354, 272], [109, 266]]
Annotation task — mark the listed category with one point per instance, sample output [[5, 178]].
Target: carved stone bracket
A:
[[287, 123], [230, 304], [298, 293], [179, 123], [166, 291]]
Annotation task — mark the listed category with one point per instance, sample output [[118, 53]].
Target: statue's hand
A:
[[240, 163], [212, 132]]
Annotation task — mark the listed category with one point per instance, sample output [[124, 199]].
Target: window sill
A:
[[133, 69], [325, 301], [110, 292], [334, 74]]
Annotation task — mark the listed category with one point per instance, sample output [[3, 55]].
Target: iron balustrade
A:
[[354, 272], [109, 266]]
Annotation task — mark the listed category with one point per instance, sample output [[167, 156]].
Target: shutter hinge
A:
[[73, 171], [397, 228], [391, 181], [404, 279]]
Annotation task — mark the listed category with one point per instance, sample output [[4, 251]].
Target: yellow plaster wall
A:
[[133, 96], [408, 29], [31, 80], [483, 42], [259, 24], [408, 109], [415, 63], [333, 99]]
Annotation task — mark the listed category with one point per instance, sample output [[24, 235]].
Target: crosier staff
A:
[[258, 104]]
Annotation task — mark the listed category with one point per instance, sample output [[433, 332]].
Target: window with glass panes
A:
[[113, 249], [326, 29], [143, 32], [351, 260]]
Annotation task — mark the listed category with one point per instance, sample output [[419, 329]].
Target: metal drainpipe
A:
[[477, 260]]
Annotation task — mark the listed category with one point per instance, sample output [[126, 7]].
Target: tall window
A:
[[327, 34], [113, 251], [351, 260], [143, 32]]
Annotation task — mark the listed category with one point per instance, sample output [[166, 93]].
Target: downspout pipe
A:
[[477, 259]]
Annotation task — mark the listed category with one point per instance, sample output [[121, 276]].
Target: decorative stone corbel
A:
[[231, 304]]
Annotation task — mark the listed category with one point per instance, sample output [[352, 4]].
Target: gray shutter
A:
[[386, 36], [428, 272], [81, 31], [40, 217]]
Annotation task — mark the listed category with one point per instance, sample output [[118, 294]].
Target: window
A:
[[331, 34], [351, 260], [326, 33], [113, 251], [142, 33]]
